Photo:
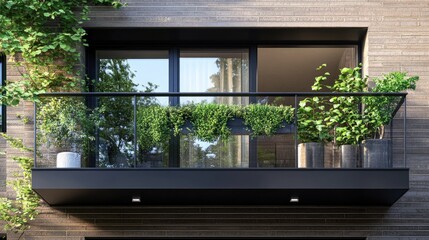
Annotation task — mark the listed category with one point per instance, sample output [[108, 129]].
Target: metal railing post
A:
[[295, 116], [405, 131], [35, 134], [391, 140], [135, 130]]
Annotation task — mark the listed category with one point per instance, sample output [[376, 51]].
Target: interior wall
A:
[[294, 69]]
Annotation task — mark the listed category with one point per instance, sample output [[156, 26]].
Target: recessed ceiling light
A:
[[135, 199], [294, 199]]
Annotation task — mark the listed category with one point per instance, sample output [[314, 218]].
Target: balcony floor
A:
[[92, 186]]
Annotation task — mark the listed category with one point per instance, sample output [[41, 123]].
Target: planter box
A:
[[238, 127]]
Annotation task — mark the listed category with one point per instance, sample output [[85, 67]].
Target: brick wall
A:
[[398, 40], [2, 169]]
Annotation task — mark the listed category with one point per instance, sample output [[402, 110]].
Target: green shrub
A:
[[264, 119]]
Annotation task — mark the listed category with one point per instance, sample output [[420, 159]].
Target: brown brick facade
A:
[[397, 40]]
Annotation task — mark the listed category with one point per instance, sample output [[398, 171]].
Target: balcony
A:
[[153, 148]]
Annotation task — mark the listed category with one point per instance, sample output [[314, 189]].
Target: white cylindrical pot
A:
[[68, 160]]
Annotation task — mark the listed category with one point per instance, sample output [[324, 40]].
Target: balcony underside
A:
[[221, 186]]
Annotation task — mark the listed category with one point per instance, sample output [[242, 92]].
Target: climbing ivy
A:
[[17, 213], [42, 39]]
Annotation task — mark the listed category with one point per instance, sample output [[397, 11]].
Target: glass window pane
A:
[[128, 71], [153, 133], [293, 70], [214, 71], [133, 71], [233, 153]]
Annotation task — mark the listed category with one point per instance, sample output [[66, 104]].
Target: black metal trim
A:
[[398, 106], [91, 67], [405, 132], [217, 94], [135, 130], [3, 82], [253, 87], [174, 86], [174, 74], [222, 238], [35, 133], [295, 132], [222, 36]]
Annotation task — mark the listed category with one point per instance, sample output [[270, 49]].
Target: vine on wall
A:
[[17, 212], [42, 38]]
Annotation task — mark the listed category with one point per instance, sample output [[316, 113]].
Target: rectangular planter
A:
[[238, 127]]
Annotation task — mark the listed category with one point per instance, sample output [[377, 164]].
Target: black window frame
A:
[[174, 74], [3, 83], [224, 238]]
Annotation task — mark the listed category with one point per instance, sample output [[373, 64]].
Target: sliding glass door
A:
[[293, 69], [263, 69], [220, 70]]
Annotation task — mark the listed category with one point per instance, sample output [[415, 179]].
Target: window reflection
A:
[[214, 71], [293, 70], [128, 71]]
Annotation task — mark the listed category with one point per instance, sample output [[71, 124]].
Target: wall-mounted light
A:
[[294, 199], [136, 200]]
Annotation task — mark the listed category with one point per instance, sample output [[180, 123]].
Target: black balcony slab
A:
[[221, 186]]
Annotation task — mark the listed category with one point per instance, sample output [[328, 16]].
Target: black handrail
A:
[[217, 94]]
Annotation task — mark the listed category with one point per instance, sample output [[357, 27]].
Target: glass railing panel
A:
[[65, 132], [230, 153], [202, 148], [153, 131], [277, 149], [115, 132], [145, 130]]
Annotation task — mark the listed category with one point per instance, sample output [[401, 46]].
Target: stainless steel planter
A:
[[377, 153], [311, 155], [349, 156]]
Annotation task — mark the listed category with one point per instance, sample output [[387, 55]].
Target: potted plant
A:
[[69, 126], [378, 112], [313, 131], [345, 116]]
